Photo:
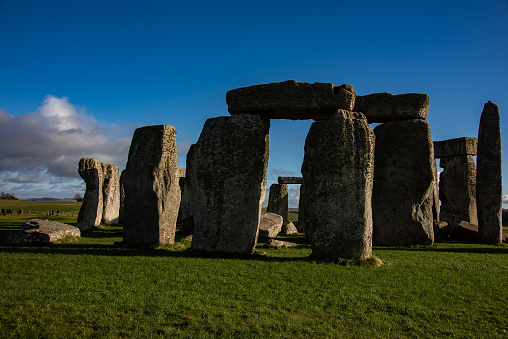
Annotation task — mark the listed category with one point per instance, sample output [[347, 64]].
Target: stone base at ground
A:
[[41, 231]]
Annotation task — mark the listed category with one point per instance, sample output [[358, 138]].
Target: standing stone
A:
[[457, 190], [278, 200], [488, 178], [90, 213], [152, 192], [404, 184], [338, 174], [227, 170], [110, 194], [186, 211], [122, 201]]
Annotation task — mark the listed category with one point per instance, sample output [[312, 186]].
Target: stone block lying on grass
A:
[[41, 231], [288, 228], [280, 243], [270, 225]]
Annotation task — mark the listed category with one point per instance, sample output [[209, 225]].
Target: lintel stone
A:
[[291, 180], [386, 107], [455, 147], [292, 100]]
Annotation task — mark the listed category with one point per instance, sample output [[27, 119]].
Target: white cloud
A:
[[505, 199], [46, 145]]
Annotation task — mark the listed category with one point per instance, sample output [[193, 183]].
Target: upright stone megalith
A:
[[457, 183], [90, 213], [488, 177], [152, 192], [278, 200], [110, 194], [227, 172], [338, 175], [404, 184]]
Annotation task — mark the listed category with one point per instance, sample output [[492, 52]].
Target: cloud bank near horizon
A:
[[41, 150]]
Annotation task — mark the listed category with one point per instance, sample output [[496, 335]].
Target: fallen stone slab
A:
[[466, 232], [386, 107], [280, 243], [41, 231], [292, 100], [455, 147], [291, 180], [270, 225], [288, 228]]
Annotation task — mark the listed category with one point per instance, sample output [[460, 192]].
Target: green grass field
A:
[[88, 287], [44, 207]]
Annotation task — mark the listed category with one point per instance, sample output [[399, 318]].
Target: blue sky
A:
[[100, 69]]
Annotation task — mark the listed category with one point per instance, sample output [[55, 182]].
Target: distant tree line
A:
[[7, 196], [79, 198]]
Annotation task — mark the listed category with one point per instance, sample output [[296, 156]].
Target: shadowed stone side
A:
[[291, 100], [457, 190], [152, 192], [278, 200], [404, 184], [110, 194], [338, 173], [488, 177], [227, 171], [386, 107], [455, 147], [186, 209], [90, 213]]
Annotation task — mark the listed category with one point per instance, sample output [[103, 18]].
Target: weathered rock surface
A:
[[90, 213], [291, 100], [227, 170], [300, 226], [122, 201], [466, 232], [290, 180], [280, 243], [404, 184], [270, 225], [338, 173], [278, 200], [455, 147], [488, 178], [288, 228], [386, 107], [457, 190], [441, 230], [152, 191], [41, 231], [110, 194], [182, 172]]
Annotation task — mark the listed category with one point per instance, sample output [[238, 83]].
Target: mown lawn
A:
[[65, 207], [88, 287]]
